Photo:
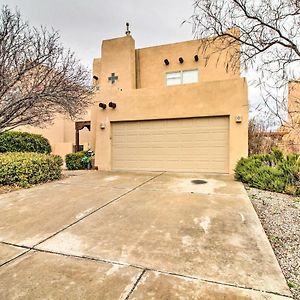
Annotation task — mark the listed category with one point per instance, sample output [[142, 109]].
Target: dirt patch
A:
[[6, 189], [11, 188], [280, 217]]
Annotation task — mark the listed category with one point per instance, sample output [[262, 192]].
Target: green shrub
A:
[[75, 161], [272, 172], [13, 141], [25, 169]]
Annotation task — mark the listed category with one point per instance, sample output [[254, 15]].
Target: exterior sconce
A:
[[166, 61], [102, 126], [95, 77], [238, 119], [112, 105], [196, 57], [181, 60], [102, 105]]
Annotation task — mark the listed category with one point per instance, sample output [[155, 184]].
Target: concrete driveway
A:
[[125, 235]]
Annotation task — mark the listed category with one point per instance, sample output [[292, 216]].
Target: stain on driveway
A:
[[170, 238]]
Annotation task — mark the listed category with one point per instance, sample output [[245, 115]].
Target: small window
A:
[[190, 76], [173, 78], [182, 77]]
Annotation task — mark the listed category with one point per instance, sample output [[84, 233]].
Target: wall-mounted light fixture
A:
[[95, 77], [181, 60], [112, 105], [166, 61], [238, 119], [102, 105], [196, 57]]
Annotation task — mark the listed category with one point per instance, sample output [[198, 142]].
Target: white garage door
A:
[[196, 145]]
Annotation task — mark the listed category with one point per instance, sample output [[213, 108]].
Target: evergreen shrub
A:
[[26, 169], [273, 172]]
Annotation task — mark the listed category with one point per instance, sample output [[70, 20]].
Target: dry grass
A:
[[6, 189]]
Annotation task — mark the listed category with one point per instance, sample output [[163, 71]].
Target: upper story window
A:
[[174, 78], [182, 77]]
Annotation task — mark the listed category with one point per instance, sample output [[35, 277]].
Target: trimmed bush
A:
[[76, 161], [26, 169], [13, 141], [273, 172]]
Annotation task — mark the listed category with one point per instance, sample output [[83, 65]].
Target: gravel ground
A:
[[280, 218]]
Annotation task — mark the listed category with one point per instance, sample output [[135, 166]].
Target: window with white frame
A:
[[182, 77], [173, 78]]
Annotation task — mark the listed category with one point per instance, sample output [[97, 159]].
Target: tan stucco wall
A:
[[145, 68], [61, 134], [152, 70], [141, 92], [118, 56], [196, 100], [291, 129], [293, 102]]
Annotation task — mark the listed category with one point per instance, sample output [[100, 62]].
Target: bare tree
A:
[[269, 34], [261, 139], [38, 77]]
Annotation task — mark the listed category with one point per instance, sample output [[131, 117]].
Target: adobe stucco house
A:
[[291, 129], [175, 110]]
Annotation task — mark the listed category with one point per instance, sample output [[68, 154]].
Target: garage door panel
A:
[[203, 151], [166, 136], [175, 142], [198, 144], [174, 166]]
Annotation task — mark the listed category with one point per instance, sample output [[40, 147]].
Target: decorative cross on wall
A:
[[113, 78]]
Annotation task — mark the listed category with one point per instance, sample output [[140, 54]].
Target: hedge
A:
[[26, 169], [13, 141], [273, 172], [75, 161]]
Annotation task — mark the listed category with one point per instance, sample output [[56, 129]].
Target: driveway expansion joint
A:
[[86, 257], [15, 257], [143, 268], [37, 245], [29, 248], [98, 208], [135, 284]]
